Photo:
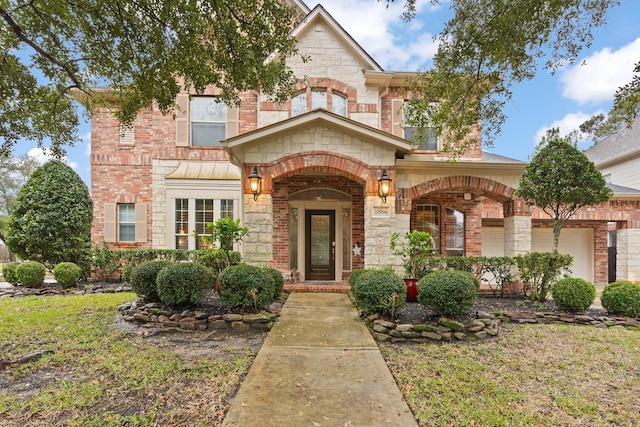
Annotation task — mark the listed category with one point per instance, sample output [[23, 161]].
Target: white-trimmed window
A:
[[208, 117], [455, 232], [320, 98], [125, 222], [194, 215], [428, 141]]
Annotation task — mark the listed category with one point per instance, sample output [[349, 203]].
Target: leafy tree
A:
[[51, 220], [560, 180], [489, 46], [136, 50], [225, 232]]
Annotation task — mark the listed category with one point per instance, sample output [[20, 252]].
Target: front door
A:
[[320, 250]]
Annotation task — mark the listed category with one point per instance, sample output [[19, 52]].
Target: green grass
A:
[[98, 376], [541, 375]]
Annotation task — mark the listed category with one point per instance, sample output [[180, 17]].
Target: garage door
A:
[[573, 241]]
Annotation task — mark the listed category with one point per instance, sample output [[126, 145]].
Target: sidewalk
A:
[[319, 366]]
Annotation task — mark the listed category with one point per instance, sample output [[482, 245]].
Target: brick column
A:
[[600, 254], [517, 228], [628, 260]]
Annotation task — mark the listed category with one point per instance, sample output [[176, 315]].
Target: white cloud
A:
[[39, 154], [567, 124], [598, 76], [391, 42]]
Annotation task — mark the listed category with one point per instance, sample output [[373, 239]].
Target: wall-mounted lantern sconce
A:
[[384, 185], [254, 182]]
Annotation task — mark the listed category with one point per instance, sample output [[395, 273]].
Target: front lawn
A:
[[100, 376], [534, 375]]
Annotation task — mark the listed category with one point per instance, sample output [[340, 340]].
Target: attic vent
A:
[[319, 27], [126, 135]]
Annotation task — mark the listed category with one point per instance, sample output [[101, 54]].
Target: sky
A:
[[564, 100]]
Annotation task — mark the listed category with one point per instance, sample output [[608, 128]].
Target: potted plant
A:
[[413, 247]]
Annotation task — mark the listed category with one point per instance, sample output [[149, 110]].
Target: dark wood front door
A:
[[320, 247]]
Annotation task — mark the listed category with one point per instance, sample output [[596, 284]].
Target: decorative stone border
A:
[[486, 325], [155, 315], [19, 291]]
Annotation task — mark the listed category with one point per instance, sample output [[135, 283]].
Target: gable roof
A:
[[317, 117], [319, 13], [618, 147]]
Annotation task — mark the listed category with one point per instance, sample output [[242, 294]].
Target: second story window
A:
[[208, 121], [428, 140], [318, 98]]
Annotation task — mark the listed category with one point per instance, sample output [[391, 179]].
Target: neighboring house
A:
[[618, 156], [320, 158]]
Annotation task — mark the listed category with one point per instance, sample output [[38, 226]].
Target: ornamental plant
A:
[[451, 293], [373, 291], [31, 274], [67, 274], [538, 270], [9, 272], [238, 281], [225, 232], [278, 280], [143, 279], [184, 283], [413, 247], [573, 294], [622, 298]]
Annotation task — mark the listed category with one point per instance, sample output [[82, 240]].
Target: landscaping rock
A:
[[451, 324]]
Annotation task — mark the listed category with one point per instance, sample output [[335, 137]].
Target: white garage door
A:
[[573, 241]]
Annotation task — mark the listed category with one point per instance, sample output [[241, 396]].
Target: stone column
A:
[[258, 218], [628, 259], [517, 228], [379, 224]]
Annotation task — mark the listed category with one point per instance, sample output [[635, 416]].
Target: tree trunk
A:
[[557, 227]]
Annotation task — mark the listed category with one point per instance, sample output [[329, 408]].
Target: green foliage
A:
[[225, 232], [573, 294], [10, 272], [450, 293], [31, 274], [184, 283], [143, 279], [14, 172], [538, 270], [373, 291], [560, 180], [237, 281], [622, 298], [131, 258], [67, 274], [216, 259], [489, 46], [355, 274], [413, 247], [105, 263], [502, 270], [278, 281], [136, 49], [51, 220]]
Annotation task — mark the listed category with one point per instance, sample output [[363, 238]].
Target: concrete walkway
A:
[[319, 366]]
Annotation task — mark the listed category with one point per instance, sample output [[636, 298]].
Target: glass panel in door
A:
[[320, 245]]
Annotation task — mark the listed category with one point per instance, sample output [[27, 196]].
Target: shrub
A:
[[355, 274], [105, 263], [237, 281], [10, 272], [373, 291], [181, 284], [573, 294], [500, 269], [450, 292], [622, 298], [67, 274], [31, 274], [538, 270], [143, 279], [278, 281], [216, 259]]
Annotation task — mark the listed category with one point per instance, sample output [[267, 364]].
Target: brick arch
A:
[[319, 161], [490, 188]]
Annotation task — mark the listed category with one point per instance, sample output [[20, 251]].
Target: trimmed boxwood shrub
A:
[[184, 283], [278, 281], [10, 272], [237, 281], [449, 292], [67, 274], [31, 274], [143, 279], [573, 294], [373, 289], [622, 298], [355, 274]]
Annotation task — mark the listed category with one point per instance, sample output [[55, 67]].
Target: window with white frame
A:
[[208, 117], [320, 98], [126, 222], [428, 140], [194, 215], [455, 232]]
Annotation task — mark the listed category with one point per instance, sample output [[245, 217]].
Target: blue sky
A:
[[564, 100]]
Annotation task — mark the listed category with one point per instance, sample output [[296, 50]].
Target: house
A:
[[318, 162]]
